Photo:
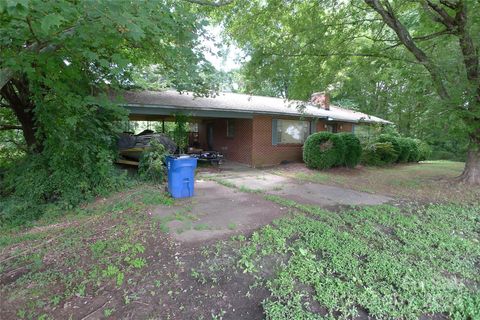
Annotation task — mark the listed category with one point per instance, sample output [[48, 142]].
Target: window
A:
[[289, 131], [362, 130], [331, 127], [230, 128]]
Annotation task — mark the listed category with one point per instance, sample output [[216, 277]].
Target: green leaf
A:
[[51, 20]]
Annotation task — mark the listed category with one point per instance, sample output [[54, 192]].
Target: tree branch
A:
[[443, 15], [387, 14], [212, 3], [470, 52], [424, 38], [343, 54], [6, 127], [31, 30], [6, 74]]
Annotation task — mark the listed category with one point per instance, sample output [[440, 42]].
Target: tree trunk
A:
[[471, 172], [17, 94], [26, 118]]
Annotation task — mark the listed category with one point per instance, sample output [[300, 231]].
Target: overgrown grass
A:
[[391, 263], [98, 246], [430, 181]]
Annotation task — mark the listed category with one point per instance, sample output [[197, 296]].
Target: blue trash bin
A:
[[181, 176]]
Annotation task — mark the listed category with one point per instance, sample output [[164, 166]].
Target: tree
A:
[[380, 56], [82, 46], [59, 61], [455, 19]]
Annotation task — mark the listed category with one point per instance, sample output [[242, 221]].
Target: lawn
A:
[[112, 259], [429, 181]]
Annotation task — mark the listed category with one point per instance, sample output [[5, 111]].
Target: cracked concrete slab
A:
[[217, 211], [304, 192]]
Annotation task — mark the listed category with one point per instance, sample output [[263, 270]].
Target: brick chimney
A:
[[321, 99]]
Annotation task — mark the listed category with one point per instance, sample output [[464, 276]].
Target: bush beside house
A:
[[353, 149], [325, 150], [379, 154], [389, 149], [152, 163]]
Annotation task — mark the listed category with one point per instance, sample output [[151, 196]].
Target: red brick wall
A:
[[346, 127], [239, 147], [252, 141], [202, 134], [321, 125], [264, 153]]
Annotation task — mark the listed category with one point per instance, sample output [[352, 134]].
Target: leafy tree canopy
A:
[[413, 62], [58, 61]]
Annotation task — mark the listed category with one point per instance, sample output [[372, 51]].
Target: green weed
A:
[[394, 263]]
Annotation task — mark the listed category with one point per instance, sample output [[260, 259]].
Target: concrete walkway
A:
[[217, 211]]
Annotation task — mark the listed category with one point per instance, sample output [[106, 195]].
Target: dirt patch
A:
[[164, 288]]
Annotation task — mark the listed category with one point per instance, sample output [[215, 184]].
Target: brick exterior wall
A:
[[252, 141], [264, 153], [341, 126], [239, 147]]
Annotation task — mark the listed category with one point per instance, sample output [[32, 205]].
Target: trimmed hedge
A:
[[379, 154], [353, 149], [324, 150], [390, 149]]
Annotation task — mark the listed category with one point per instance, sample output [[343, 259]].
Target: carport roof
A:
[[243, 105]]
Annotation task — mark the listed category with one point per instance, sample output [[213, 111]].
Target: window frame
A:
[[230, 126], [275, 141]]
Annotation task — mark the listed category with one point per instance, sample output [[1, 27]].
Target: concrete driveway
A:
[[305, 192], [217, 211]]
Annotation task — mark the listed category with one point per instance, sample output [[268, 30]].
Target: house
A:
[[255, 130]]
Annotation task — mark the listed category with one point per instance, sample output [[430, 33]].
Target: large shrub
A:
[[405, 149], [76, 163], [393, 139], [152, 163], [424, 150], [353, 149], [414, 152], [379, 154], [323, 150]]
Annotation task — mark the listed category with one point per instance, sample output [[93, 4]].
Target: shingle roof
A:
[[243, 103]]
